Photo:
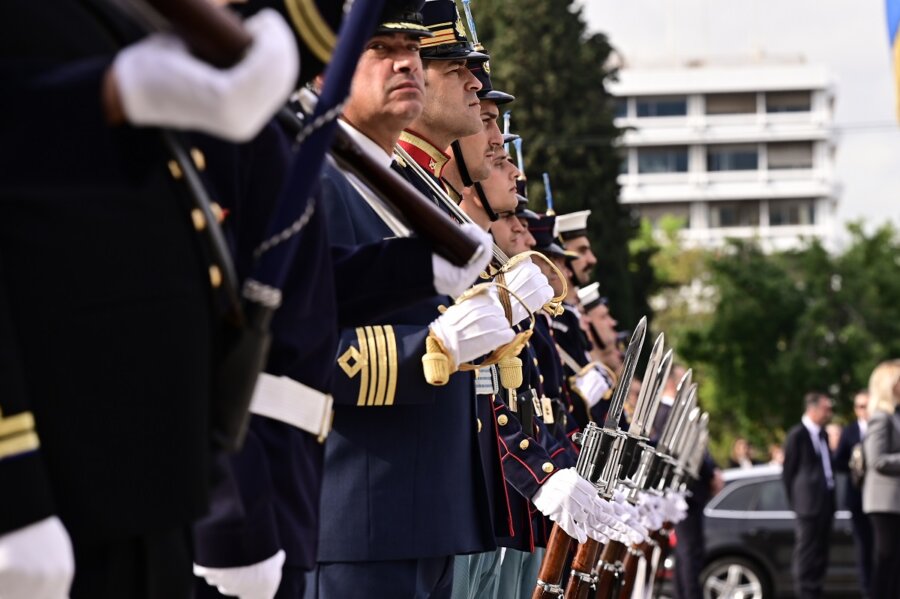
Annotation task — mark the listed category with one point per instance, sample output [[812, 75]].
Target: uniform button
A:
[[571, 408], [199, 159], [215, 276], [198, 219], [175, 170], [547, 467], [524, 444], [479, 424], [502, 419], [541, 378], [535, 361]]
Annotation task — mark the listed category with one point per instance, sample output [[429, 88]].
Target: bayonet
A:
[[549, 194], [617, 402], [520, 157], [647, 395]]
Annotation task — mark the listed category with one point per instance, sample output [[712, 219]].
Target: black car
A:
[[750, 539]]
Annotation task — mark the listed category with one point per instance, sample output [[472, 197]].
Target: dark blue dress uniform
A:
[[269, 498], [404, 488], [105, 313]]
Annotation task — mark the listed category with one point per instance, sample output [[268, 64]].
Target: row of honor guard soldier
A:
[[128, 362]]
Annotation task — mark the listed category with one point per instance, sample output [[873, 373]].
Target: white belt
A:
[[288, 401]]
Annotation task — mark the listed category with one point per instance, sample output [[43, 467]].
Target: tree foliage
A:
[[545, 57], [787, 323]]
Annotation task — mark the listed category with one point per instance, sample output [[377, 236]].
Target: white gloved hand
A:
[[473, 328], [256, 581], [676, 507], [592, 386], [651, 511], [531, 286], [161, 84], [453, 280], [568, 500], [36, 561]]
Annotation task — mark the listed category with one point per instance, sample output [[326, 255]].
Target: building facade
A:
[[736, 151]]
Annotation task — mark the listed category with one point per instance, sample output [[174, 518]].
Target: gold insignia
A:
[[459, 27], [487, 67], [17, 435], [344, 362], [433, 166]]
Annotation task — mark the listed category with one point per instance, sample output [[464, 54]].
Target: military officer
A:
[[379, 534], [574, 234], [104, 406]]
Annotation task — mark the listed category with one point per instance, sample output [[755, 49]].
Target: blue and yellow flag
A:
[[893, 22]]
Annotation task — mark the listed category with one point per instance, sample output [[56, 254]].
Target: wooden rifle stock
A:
[[420, 213], [552, 566], [630, 568], [610, 558], [583, 565], [213, 33]]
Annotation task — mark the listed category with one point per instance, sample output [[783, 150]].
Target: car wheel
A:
[[734, 578]]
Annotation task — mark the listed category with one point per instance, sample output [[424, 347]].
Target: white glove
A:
[[651, 511], [453, 280], [36, 561], [161, 84], [592, 386], [568, 500], [531, 286], [676, 507], [473, 328], [256, 581]]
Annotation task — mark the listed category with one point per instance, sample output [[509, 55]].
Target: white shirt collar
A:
[[365, 142], [811, 426]]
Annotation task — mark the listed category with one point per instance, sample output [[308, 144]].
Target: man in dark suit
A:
[[862, 529], [809, 481]]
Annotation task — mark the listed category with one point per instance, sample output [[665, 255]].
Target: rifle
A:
[[582, 578], [595, 449]]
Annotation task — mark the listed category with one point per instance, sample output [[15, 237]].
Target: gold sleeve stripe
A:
[[364, 371], [373, 365], [19, 444], [392, 365], [382, 365], [15, 424], [312, 28], [440, 37]]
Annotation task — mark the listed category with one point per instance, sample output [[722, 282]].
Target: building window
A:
[[621, 108], [662, 106], [734, 214], [790, 155], [732, 158], [788, 101], [655, 213], [664, 159], [730, 103], [792, 212]]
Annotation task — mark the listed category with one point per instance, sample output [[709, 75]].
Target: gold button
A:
[[198, 218], [217, 212], [535, 361], [502, 419], [199, 159], [547, 467], [175, 170], [479, 424], [541, 378], [524, 444], [215, 276], [571, 408]]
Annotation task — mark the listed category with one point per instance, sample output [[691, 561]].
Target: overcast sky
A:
[[847, 36]]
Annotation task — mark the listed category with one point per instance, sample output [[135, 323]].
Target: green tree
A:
[[544, 55], [787, 323]]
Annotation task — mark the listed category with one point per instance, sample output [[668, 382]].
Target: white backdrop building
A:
[[736, 151]]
